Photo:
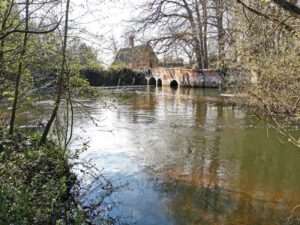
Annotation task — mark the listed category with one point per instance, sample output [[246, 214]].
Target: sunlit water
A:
[[189, 160]]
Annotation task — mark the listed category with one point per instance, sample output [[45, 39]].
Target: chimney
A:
[[131, 41]]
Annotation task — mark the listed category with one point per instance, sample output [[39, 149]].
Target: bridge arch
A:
[[159, 82], [174, 84], [152, 81]]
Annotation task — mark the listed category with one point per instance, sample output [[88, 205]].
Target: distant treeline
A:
[[114, 77]]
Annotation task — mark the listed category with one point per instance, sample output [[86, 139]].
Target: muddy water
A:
[[189, 160]]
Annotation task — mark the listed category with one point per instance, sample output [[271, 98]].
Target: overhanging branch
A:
[[5, 34]]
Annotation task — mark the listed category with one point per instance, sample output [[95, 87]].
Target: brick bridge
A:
[[198, 78]]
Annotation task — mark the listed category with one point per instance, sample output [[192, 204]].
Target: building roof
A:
[[128, 55]]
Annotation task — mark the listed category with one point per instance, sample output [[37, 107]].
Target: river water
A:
[[188, 159]]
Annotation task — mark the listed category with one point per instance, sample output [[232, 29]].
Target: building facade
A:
[[137, 57]]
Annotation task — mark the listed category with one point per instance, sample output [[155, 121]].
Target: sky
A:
[[103, 19]]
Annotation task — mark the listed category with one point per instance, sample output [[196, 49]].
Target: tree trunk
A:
[[200, 34], [60, 79], [220, 29], [19, 72], [205, 48], [196, 34], [2, 41]]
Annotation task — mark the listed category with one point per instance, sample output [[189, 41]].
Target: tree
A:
[[60, 77], [265, 39], [20, 69], [16, 27], [219, 12], [181, 20], [199, 22]]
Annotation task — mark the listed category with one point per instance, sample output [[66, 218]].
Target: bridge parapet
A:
[[187, 77], [199, 78]]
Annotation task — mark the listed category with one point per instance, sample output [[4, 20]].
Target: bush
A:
[[113, 76], [35, 184]]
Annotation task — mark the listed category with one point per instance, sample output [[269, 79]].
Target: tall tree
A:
[[181, 19], [205, 25], [20, 69], [219, 16], [60, 77], [16, 28]]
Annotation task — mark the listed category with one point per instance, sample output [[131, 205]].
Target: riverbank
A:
[[279, 116], [250, 100], [39, 185], [36, 182]]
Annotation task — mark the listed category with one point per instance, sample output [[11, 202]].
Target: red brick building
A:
[[137, 57]]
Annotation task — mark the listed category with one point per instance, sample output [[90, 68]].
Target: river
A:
[[188, 159]]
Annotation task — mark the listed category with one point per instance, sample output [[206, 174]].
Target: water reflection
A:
[[190, 160]]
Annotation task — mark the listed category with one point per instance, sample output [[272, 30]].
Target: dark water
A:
[[189, 160]]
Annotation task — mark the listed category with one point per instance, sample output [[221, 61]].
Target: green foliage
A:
[[35, 185], [117, 67], [119, 71], [79, 86], [36, 181], [38, 185], [84, 56], [43, 58]]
